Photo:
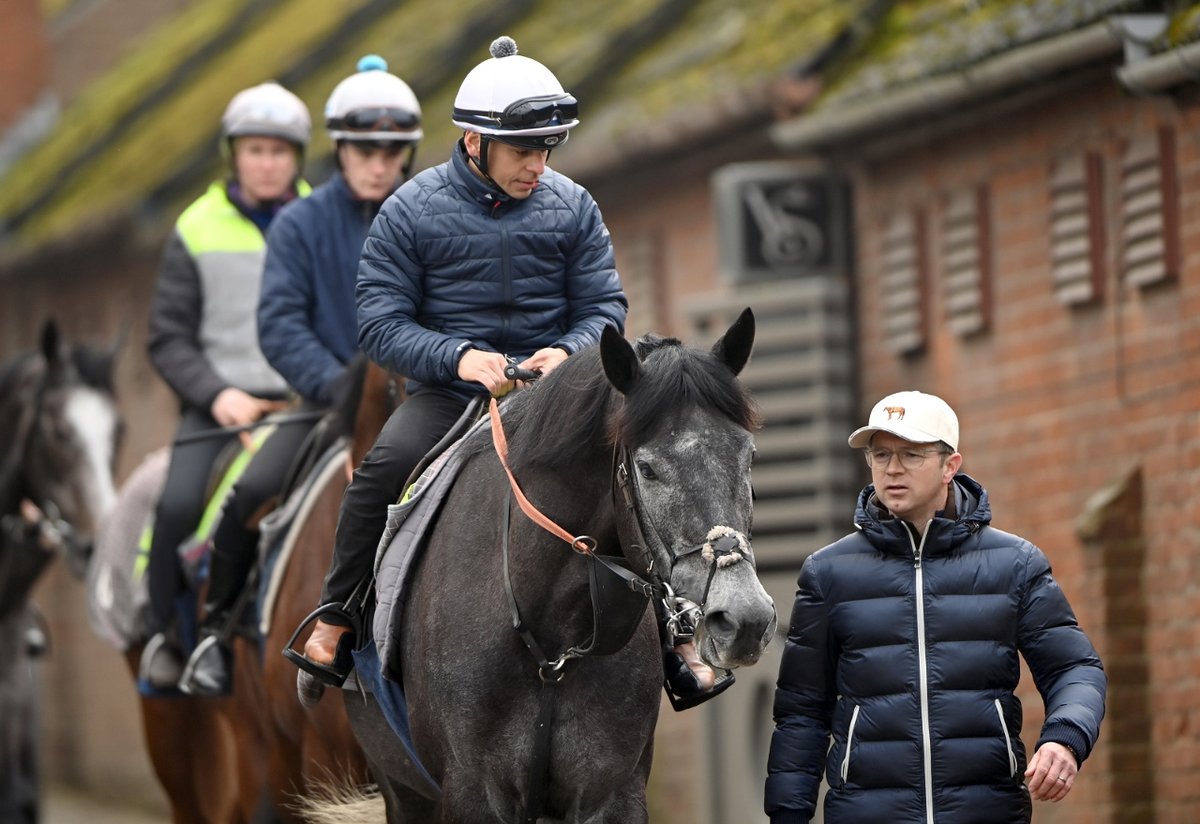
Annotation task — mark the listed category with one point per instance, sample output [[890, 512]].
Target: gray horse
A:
[[647, 452]]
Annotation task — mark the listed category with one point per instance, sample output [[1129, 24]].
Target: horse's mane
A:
[[573, 412]]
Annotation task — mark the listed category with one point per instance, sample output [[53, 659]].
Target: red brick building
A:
[[1027, 225]]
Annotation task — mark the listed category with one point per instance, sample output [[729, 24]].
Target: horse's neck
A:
[[19, 389], [581, 505]]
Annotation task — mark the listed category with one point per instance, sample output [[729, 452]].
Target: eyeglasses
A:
[[376, 120], [535, 112], [910, 457]]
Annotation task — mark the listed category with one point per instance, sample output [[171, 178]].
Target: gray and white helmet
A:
[[267, 110]]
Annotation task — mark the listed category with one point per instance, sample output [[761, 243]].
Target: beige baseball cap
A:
[[913, 416]]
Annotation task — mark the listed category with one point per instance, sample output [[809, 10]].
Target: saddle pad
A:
[[403, 539], [117, 593], [392, 703], [281, 528]]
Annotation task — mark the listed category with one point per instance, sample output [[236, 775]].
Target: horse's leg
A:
[[628, 805], [189, 747]]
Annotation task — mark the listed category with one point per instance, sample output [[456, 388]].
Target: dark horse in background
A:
[[648, 452], [59, 435]]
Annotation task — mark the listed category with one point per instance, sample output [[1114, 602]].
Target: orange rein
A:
[[582, 544]]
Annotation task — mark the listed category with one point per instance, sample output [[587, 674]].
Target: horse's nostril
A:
[[719, 623]]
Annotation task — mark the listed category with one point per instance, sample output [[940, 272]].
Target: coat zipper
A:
[[1012, 759], [849, 741], [926, 737]]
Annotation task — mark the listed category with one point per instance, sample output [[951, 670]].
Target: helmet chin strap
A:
[[481, 162]]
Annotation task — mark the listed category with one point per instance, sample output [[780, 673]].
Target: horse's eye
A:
[[645, 470]]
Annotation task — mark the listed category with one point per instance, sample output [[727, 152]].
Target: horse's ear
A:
[[51, 341], [619, 360], [733, 348]]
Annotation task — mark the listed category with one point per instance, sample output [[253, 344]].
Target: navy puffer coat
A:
[[905, 652], [450, 263]]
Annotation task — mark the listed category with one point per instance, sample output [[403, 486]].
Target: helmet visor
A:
[[376, 120]]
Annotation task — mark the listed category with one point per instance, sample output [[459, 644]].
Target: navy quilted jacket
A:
[[449, 263], [307, 326], [904, 652]]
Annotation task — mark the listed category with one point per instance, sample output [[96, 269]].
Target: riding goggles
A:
[[376, 120], [536, 112], [527, 113]]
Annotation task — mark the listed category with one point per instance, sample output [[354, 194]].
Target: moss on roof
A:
[[638, 64], [919, 39]]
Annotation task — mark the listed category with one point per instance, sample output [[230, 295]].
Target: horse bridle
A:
[[723, 547], [51, 528]]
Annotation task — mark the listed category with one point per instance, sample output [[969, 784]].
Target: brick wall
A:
[[24, 63], [1061, 401]]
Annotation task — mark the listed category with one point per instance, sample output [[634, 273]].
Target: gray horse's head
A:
[[73, 432], [687, 429]]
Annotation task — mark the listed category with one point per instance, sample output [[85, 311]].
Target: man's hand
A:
[[486, 368], [233, 407], [1051, 772], [544, 360]]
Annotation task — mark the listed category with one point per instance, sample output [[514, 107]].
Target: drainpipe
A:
[[898, 108]]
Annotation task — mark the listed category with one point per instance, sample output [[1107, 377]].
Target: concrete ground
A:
[[64, 805]]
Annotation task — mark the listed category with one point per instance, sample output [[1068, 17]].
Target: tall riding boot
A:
[[209, 672]]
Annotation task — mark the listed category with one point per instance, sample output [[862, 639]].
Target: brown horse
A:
[[218, 759], [310, 747], [210, 773]]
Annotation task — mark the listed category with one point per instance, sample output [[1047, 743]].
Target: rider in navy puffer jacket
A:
[[986, 595], [478, 250]]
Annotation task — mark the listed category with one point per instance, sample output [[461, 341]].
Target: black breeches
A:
[[235, 539], [179, 510], [412, 430]]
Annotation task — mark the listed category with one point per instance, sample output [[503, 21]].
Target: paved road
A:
[[61, 805]]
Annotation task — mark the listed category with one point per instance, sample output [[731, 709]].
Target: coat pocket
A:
[[849, 743], [1012, 758]]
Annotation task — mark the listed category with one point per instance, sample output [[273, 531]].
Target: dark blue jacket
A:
[[906, 654], [449, 263], [307, 324]]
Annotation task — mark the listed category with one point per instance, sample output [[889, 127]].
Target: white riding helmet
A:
[[515, 100], [266, 110], [373, 106]]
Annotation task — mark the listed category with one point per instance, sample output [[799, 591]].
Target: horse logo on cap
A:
[[898, 411]]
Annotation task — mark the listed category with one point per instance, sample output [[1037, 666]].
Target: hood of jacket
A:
[[972, 512]]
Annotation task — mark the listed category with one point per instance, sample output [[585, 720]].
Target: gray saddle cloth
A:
[[403, 540]]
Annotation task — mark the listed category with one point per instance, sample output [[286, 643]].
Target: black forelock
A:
[[675, 378], [574, 413]]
